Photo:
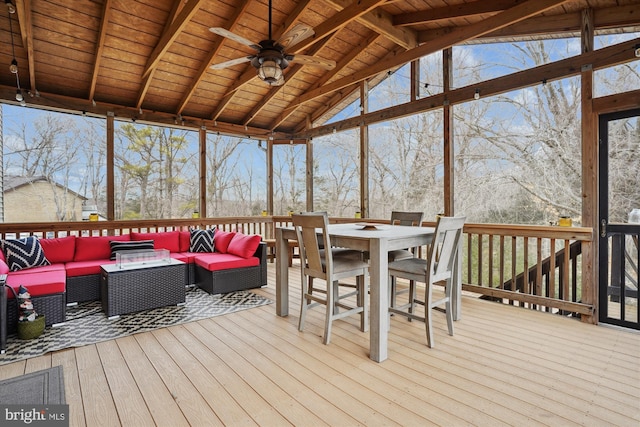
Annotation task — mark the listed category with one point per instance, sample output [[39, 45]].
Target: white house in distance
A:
[[38, 199]]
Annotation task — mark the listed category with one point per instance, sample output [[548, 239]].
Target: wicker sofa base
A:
[[223, 281], [129, 291], [83, 288], [87, 288], [53, 307]]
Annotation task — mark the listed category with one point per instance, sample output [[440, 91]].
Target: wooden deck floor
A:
[[503, 366]]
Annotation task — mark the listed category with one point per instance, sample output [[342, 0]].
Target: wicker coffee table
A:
[[141, 287]]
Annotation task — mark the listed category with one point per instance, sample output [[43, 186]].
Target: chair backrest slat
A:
[[311, 229], [445, 244], [406, 218]]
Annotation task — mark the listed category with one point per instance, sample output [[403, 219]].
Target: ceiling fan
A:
[[271, 58]]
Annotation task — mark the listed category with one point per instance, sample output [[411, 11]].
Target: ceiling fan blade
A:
[[295, 35], [230, 63], [315, 61], [233, 36]]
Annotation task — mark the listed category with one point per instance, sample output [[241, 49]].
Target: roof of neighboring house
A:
[[15, 182]]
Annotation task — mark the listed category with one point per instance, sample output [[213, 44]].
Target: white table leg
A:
[[379, 313], [282, 274]]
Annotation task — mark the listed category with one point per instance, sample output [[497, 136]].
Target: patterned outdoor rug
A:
[[87, 324]]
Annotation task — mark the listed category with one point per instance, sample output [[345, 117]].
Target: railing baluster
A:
[[490, 283]]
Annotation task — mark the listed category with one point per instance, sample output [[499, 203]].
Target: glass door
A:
[[619, 200]]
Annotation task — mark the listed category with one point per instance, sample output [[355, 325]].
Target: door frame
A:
[[610, 230]]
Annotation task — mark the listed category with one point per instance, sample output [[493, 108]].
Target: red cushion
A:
[[169, 240], [85, 268], [98, 247], [43, 269], [60, 249], [217, 261], [221, 240], [184, 257], [244, 245], [184, 241], [4, 268], [45, 283]]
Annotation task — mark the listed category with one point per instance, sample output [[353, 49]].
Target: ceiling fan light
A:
[[270, 71]]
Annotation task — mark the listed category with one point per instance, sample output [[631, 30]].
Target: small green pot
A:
[[31, 330]]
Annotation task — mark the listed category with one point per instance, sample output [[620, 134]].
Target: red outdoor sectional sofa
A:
[[233, 261]]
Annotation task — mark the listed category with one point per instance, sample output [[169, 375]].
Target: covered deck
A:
[[505, 365]]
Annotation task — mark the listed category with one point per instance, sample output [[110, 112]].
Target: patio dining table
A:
[[378, 242]]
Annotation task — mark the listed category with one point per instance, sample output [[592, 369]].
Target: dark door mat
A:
[[44, 387]]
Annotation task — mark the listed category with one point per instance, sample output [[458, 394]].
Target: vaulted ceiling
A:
[[150, 59]]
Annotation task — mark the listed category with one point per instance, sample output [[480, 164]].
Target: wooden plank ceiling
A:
[[150, 59]]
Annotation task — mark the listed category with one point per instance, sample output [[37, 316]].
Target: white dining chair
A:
[[437, 268], [330, 266], [406, 218]]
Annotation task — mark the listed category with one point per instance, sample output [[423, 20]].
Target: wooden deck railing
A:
[[495, 257]]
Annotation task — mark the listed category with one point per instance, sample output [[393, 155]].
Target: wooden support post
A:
[[589, 175]]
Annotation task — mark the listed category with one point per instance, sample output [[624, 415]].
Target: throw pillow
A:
[[184, 241], [96, 247], [130, 246], [222, 240], [244, 245], [24, 253], [201, 240], [60, 249], [161, 240]]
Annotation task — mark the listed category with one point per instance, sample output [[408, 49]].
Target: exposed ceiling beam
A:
[[106, 14], [598, 59], [23, 9], [67, 104], [382, 23], [614, 17], [457, 11], [343, 96], [204, 67], [338, 21], [517, 13], [336, 101], [351, 55], [145, 82], [170, 36]]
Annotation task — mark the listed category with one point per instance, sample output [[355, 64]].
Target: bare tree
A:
[[48, 147], [221, 163], [289, 178], [337, 173]]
